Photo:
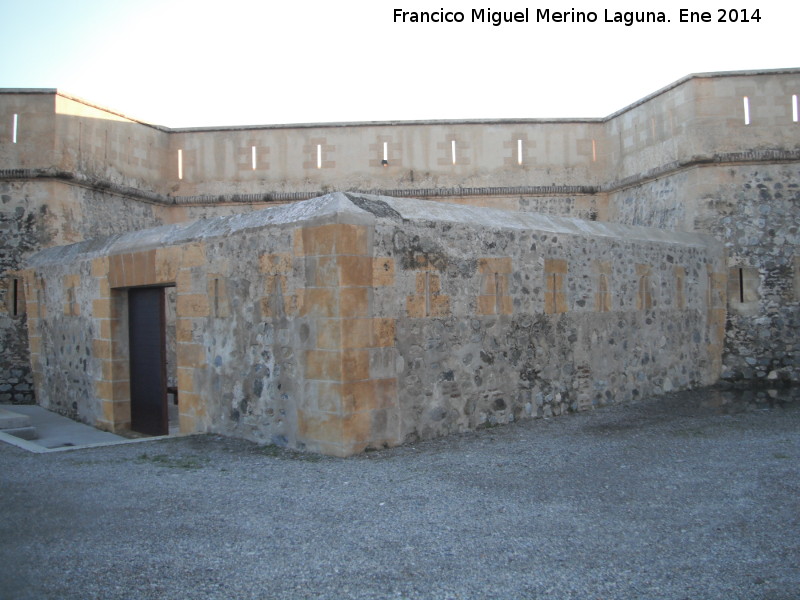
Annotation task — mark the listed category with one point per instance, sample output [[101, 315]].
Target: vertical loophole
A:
[[741, 286], [385, 150], [253, 158], [519, 152], [427, 293], [594, 151], [746, 104], [319, 156], [453, 150], [498, 304], [794, 108], [180, 164], [16, 123], [15, 298]]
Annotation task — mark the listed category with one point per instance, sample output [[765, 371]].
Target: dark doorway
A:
[[148, 360]]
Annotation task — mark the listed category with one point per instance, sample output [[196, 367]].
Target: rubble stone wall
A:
[[753, 209], [354, 321]]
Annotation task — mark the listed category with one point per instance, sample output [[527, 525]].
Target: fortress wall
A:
[[673, 160], [38, 214], [58, 135], [419, 155], [753, 210], [109, 147], [667, 202], [27, 129], [701, 119], [503, 320]]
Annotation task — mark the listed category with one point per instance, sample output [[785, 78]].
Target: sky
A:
[[193, 63]]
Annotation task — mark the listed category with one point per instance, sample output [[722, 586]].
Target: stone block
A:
[[191, 355], [490, 265], [555, 302], [352, 239], [107, 405], [355, 364], [354, 302], [116, 270], [367, 333], [192, 305], [338, 238], [384, 332], [322, 271], [100, 266], [320, 302], [115, 413], [320, 427], [329, 334], [416, 307], [297, 242], [121, 368], [327, 396], [184, 281], [368, 395], [122, 391], [106, 369], [104, 389], [487, 305], [426, 282], [167, 263], [193, 255], [276, 264], [103, 288], [555, 265], [184, 330], [128, 270], [185, 380], [357, 333], [506, 305], [189, 403], [144, 268], [187, 423], [355, 270], [384, 427], [102, 349], [101, 309], [382, 271], [440, 306], [357, 427], [35, 344], [323, 364], [319, 241]]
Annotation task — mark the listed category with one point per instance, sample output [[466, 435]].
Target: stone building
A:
[[566, 263]]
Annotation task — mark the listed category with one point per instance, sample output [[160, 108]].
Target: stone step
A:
[[12, 420], [25, 433]]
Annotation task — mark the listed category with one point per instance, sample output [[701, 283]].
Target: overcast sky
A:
[[190, 63]]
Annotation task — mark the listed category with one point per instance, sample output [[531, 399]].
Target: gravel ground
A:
[[692, 495]]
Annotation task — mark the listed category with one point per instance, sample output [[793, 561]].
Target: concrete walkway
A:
[[689, 496], [52, 431]]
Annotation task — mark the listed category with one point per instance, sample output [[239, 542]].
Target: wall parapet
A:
[[705, 117]]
